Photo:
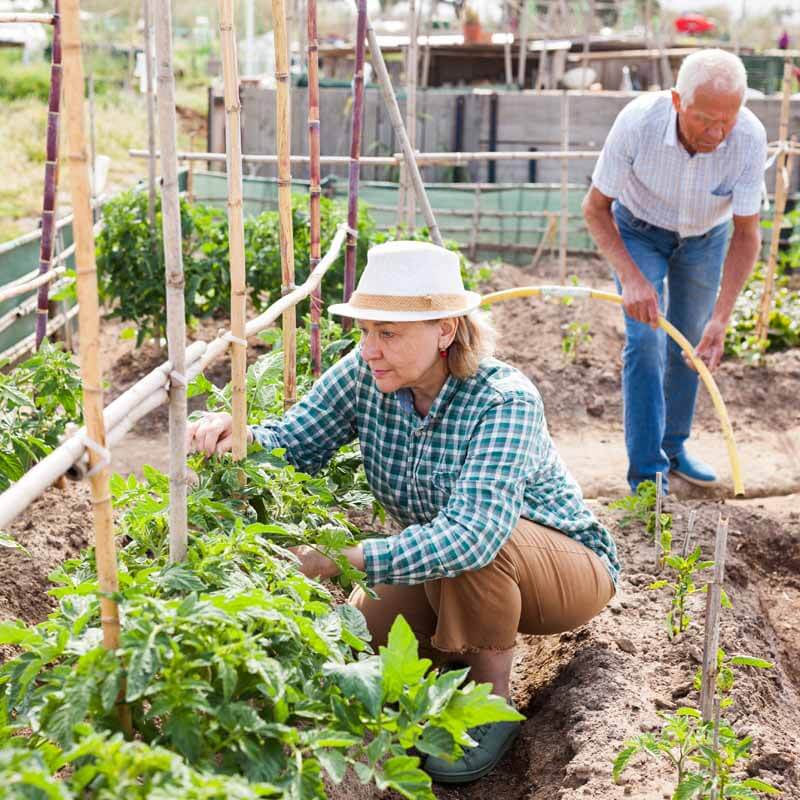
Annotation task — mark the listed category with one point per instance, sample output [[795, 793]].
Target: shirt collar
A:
[[671, 134], [405, 398]]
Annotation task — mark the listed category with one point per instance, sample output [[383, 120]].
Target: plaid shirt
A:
[[459, 479]]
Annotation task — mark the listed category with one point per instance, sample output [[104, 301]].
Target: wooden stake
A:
[[173, 275], [284, 200], [314, 188], [411, 107], [151, 114], [89, 327], [426, 58], [50, 179], [389, 98], [507, 43], [562, 250], [476, 220], [715, 746], [355, 152], [689, 531], [781, 190], [233, 149], [659, 501], [711, 643]]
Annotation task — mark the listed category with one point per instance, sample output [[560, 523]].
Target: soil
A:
[[584, 692]]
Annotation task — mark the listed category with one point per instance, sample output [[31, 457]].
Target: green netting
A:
[[511, 218]]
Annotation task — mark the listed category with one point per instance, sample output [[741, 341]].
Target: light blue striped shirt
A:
[[644, 165]]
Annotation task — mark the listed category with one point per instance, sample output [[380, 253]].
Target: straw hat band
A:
[[399, 302]]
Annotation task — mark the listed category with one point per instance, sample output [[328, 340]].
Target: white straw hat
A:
[[409, 281]]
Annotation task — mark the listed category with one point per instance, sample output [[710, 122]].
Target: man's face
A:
[[706, 123]]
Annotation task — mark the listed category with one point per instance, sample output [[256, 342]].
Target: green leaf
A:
[[760, 786], [403, 775], [689, 787], [436, 741], [109, 690], [17, 633], [401, 665], [334, 763], [477, 707], [751, 661], [361, 680], [143, 665], [621, 761], [8, 541]]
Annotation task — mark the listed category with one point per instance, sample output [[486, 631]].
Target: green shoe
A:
[[493, 743]]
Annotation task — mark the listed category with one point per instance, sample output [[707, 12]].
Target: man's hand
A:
[[639, 299], [712, 345], [212, 434]]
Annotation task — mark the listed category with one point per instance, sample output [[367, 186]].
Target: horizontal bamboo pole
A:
[[13, 18], [31, 285], [34, 482], [25, 308], [672, 332], [397, 158], [456, 212], [653, 52], [29, 342], [198, 356]]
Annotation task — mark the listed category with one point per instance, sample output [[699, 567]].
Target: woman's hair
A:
[[719, 69], [474, 340]]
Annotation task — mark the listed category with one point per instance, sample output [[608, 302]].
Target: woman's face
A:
[[405, 354]]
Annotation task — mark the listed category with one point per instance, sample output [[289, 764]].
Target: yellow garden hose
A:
[[578, 292]]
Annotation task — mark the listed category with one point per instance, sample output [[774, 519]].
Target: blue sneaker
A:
[[692, 470]]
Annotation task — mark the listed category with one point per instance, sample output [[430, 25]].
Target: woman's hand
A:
[[315, 565], [212, 434]]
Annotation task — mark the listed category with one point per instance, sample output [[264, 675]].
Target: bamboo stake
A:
[[523, 43], [711, 643], [50, 178], [562, 251], [659, 501], [355, 153], [173, 273], [233, 147], [89, 327], [547, 236], [411, 108], [715, 747], [781, 190], [507, 43], [426, 57], [314, 188], [285, 200], [389, 98], [151, 124]]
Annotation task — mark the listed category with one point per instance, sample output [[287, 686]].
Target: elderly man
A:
[[674, 169]]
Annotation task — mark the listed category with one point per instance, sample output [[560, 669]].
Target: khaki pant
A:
[[541, 582]]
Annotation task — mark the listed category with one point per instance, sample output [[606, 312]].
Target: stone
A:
[[626, 645]]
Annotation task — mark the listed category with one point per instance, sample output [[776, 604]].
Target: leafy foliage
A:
[[37, 401], [131, 267], [784, 319], [576, 336]]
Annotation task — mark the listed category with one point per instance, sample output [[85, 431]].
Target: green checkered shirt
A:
[[459, 479]]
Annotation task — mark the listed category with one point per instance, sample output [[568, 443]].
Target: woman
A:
[[497, 539]]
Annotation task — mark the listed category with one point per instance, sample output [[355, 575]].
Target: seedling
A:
[[704, 761], [576, 336], [678, 620]]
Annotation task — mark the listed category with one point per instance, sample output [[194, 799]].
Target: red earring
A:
[[443, 353]]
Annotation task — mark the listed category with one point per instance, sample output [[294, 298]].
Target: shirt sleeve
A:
[[615, 164], [483, 508], [749, 187], [320, 423]]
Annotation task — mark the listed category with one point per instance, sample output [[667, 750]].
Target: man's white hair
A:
[[722, 71]]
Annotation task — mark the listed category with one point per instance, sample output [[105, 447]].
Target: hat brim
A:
[[378, 315]]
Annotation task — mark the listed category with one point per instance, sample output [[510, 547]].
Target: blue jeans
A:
[[658, 388]]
